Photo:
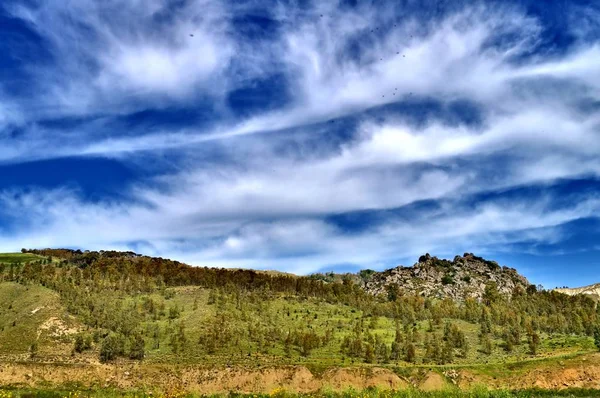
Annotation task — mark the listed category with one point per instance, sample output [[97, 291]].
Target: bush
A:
[[447, 279], [112, 347], [83, 342], [137, 348]]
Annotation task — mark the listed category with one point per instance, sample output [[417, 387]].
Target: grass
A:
[[18, 258], [24, 308], [23, 311], [292, 313]]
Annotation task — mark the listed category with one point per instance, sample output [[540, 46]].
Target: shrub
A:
[[112, 346], [82, 342], [447, 279], [137, 348]]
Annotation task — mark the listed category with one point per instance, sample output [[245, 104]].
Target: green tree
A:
[[533, 340], [486, 344], [33, 350], [369, 354], [491, 293], [411, 353], [137, 349], [597, 337], [447, 353], [83, 342], [174, 312], [111, 348]]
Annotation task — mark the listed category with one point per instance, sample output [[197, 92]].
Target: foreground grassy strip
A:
[[369, 393]]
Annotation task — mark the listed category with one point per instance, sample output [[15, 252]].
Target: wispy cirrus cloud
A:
[[369, 110]]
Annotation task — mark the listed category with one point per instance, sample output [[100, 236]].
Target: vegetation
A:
[[19, 258], [137, 307], [119, 307]]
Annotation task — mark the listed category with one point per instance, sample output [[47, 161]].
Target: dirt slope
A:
[[582, 372], [198, 380]]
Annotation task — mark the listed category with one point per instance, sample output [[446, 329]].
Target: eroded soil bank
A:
[[583, 372]]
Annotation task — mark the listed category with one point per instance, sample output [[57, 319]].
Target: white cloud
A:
[[297, 245], [262, 207], [112, 55]]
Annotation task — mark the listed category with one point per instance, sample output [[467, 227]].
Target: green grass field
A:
[[30, 314], [18, 258]]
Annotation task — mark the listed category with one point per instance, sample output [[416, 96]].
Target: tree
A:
[[491, 294], [111, 348], [533, 339], [447, 353], [174, 312], [33, 350], [597, 337], [447, 279], [137, 348], [509, 340], [411, 353], [485, 321], [178, 338], [369, 354], [463, 349], [433, 350], [486, 344]]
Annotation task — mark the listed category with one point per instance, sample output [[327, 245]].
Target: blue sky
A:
[[305, 135]]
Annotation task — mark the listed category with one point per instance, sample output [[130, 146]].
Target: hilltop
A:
[[591, 290], [465, 276]]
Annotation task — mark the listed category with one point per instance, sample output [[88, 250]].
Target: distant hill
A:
[[592, 290], [465, 276]]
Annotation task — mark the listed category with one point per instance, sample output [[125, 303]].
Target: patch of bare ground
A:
[[360, 378], [433, 382], [197, 379], [581, 372]]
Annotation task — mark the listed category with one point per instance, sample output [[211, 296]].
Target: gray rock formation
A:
[[592, 290], [465, 276]]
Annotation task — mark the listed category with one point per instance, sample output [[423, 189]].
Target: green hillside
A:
[[110, 307], [17, 258]]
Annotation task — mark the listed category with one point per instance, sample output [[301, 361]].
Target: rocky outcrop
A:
[[465, 276], [592, 290]]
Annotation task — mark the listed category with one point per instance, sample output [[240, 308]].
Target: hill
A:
[[18, 258], [126, 320], [465, 276], [591, 290]]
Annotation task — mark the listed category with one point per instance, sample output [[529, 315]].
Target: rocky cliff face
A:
[[592, 290], [465, 276]]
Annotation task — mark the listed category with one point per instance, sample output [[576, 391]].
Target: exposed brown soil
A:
[[433, 382], [581, 372], [200, 380]]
